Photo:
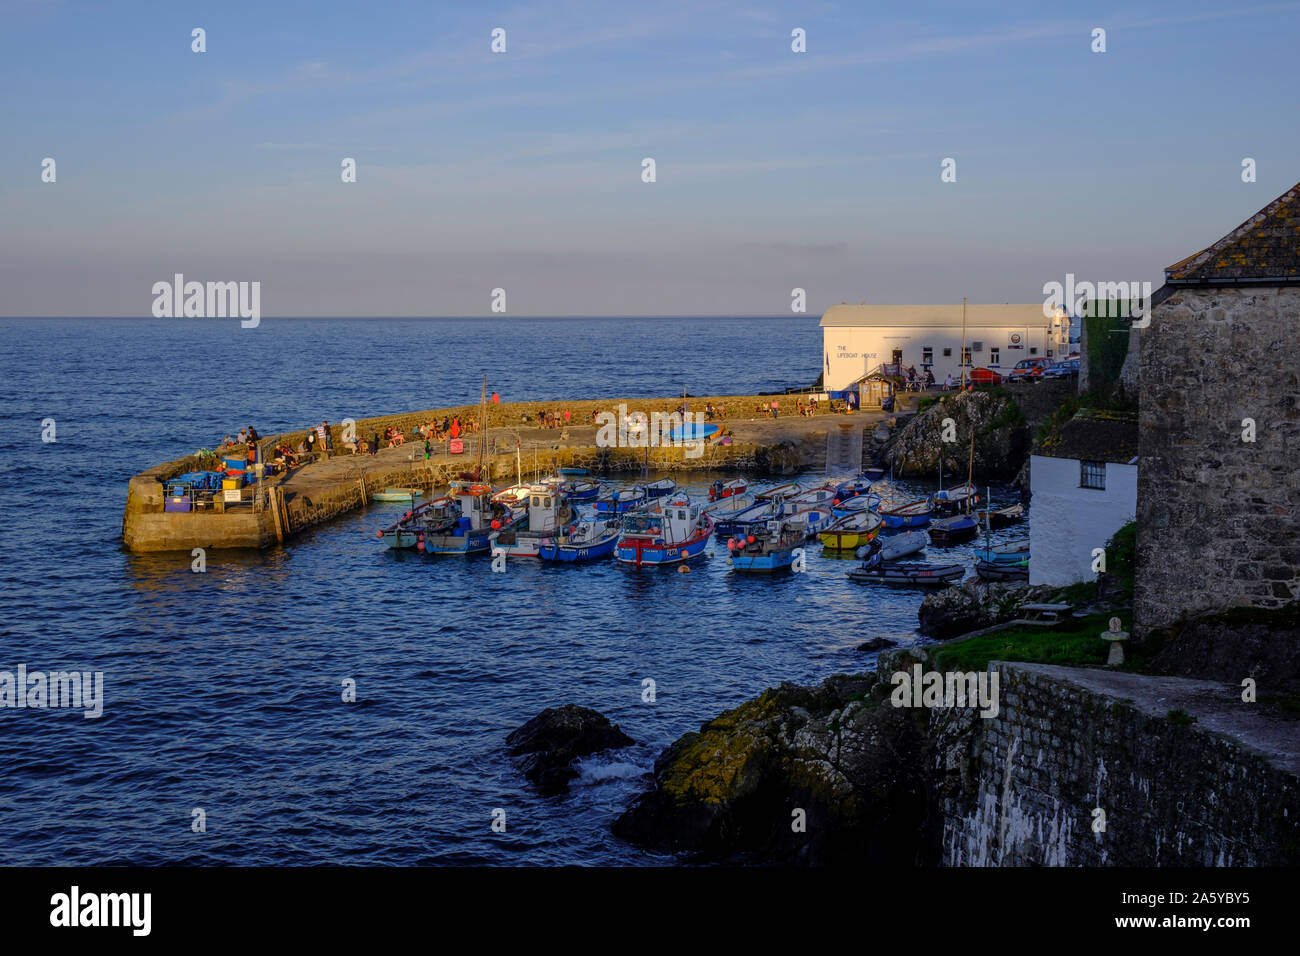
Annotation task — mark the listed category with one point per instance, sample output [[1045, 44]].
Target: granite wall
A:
[[1218, 516]]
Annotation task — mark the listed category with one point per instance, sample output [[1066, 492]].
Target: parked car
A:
[[1028, 370], [983, 376], [1067, 369]]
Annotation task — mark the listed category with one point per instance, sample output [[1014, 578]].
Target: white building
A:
[[1083, 481], [856, 339]]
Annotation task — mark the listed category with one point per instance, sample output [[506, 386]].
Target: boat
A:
[[580, 489], [812, 521], [811, 497], [909, 574], [1011, 552], [547, 512], [895, 546], [856, 504], [861, 485], [727, 489], [874, 473], [1002, 571], [588, 540], [513, 497], [471, 529], [787, 490], [573, 472], [680, 531], [397, 494], [735, 504], [1002, 517], [620, 501], [658, 489], [949, 500], [955, 529], [734, 522], [769, 547], [408, 530], [851, 531], [913, 514], [692, 431]]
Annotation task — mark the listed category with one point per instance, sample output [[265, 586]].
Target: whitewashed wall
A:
[[1067, 521], [852, 351]]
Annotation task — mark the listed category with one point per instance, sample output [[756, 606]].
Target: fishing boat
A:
[[580, 489], [727, 489], [620, 501], [1002, 517], [811, 522], [588, 540], [994, 571], [895, 546], [408, 530], [860, 485], [811, 497], [469, 533], [956, 498], [786, 490], [720, 508], [913, 514], [767, 548], [513, 497], [856, 504], [397, 494], [547, 512], [851, 531], [573, 472], [681, 531], [1011, 552], [658, 489], [909, 574], [954, 530], [733, 522]]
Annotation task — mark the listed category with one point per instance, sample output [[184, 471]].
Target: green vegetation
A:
[[1077, 643], [1107, 346], [1121, 557], [1180, 718]]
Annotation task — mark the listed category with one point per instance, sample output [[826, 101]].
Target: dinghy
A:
[[658, 489], [909, 574], [620, 501], [1012, 552], [949, 500], [727, 489], [896, 546], [848, 506], [851, 531], [955, 529], [779, 491], [580, 489], [913, 514], [1002, 517], [397, 494], [726, 507], [990, 571]]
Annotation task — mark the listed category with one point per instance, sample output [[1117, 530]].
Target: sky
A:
[[522, 170]]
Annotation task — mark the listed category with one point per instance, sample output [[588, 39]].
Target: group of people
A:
[[805, 408], [246, 436], [914, 377], [559, 418]]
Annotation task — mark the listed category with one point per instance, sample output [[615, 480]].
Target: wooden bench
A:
[[1042, 615]]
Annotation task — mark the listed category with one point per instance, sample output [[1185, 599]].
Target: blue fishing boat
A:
[[766, 548], [913, 514], [620, 501], [587, 540], [1011, 552], [861, 485], [843, 507], [955, 529], [734, 522], [678, 532], [471, 530], [546, 513], [580, 489]]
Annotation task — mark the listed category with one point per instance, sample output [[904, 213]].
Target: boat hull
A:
[[574, 554], [779, 560], [910, 575]]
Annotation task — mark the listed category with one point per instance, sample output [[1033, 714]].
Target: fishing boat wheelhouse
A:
[[678, 532]]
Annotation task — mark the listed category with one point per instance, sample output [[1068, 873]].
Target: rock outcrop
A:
[[550, 743], [800, 775], [973, 605], [1002, 438]]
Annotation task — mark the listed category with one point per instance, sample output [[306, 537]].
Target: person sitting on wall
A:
[[947, 383], [929, 378]]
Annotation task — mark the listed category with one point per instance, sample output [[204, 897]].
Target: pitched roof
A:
[[1094, 435], [977, 316], [1264, 248]]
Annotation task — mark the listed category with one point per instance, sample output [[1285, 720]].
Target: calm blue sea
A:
[[222, 689]]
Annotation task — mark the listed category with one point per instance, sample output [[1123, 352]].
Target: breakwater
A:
[[283, 506]]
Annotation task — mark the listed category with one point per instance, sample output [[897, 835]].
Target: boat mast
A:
[[962, 363], [482, 438]]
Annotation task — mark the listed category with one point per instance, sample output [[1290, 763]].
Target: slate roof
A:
[[1264, 248], [1094, 435]]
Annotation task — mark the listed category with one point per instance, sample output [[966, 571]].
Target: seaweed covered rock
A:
[[550, 743], [806, 775]]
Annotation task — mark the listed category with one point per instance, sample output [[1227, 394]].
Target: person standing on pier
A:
[[329, 438]]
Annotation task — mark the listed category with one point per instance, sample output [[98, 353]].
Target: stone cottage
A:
[[1084, 481], [1219, 472]]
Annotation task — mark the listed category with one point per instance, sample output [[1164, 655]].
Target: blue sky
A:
[[522, 170]]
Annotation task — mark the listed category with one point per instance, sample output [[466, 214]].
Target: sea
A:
[[224, 737]]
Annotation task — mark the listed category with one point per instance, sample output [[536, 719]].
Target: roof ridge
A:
[[1183, 267]]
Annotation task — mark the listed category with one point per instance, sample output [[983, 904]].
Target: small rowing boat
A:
[[851, 531], [909, 574], [397, 494], [896, 546], [726, 489], [913, 514], [620, 501], [1002, 517], [990, 571], [949, 500], [955, 529], [1012, 552], [658, 489]]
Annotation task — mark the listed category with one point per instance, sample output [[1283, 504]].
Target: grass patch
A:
[[1181, 718], [1075, 644]]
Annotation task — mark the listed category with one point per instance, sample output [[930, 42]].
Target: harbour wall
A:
[[1084, 767], [306, 502]]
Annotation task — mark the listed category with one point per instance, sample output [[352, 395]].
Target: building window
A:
[[927, 355], [1092, 474], [965, 357], [947, 353], [1033, 350], [994, 356], [977, 346]]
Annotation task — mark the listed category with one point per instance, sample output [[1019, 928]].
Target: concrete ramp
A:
[[844, 449]]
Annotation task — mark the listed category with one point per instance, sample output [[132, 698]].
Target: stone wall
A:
[[1022, 788], [1218, 517]]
